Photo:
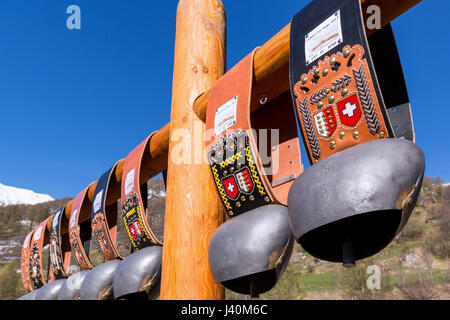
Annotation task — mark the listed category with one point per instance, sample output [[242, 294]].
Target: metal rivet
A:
[[344, 91], [342, 135], [316, 161], [382, 134], [238, 204], [243, 199], [356, 135], [304, 80], [230, 213], [225, 173], [251, 198], [232, 169], [320, 105], [331, 99], [325, 72], [316, 71], [327, 91], [333, 61], [263, 99], [238, 166], [332, 145], [267, 199], [346, 53]]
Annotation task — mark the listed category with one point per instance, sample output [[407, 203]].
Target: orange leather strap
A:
[[25, 262], [334, 83], [248, 174], [133, 209], [38, 240], [60, 249], [104, 218], [80, 235], [341, 109]]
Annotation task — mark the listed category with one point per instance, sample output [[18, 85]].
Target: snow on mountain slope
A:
[[12, 195]]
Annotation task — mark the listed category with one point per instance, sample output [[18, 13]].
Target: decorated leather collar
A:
[[25, 262], [80, 234], [38, 240], [335, 82], [247, 174], [104, 218], [60, 249], [134, 200]]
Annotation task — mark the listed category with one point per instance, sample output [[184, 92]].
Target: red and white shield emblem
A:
[[325, 122], [349, 111], [133, 232], [138, 227], [231, 187], [245, 181]]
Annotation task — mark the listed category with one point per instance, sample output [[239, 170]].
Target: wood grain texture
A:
[[193, 211]]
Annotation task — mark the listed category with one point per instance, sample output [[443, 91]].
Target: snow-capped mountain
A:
[[12, 195]]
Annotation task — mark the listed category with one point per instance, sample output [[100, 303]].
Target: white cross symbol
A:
[[349, 108], [230, 187]]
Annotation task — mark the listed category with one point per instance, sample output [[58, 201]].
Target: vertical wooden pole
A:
[[193, 210]]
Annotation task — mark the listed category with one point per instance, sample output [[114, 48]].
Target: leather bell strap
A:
[[79, 235], [338, 99], [104, 218], [24, 263], [132, 201], [241, 180], [60, 249], [38, 240]]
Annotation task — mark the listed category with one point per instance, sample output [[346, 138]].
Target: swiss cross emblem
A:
[[231, 187], [133, 232], [349, 111]]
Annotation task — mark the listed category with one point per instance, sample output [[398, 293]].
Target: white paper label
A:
[[323, 38], [225, 116], [129, 182], [37, 234], [25, 242], [73, 218], [98, 201], [56, 219]]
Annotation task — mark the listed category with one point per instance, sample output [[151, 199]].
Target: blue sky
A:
[[73, 102]]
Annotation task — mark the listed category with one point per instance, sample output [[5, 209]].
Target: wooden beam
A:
[[271, 73], [193, 211]]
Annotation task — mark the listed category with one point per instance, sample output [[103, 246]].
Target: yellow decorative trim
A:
[[220, 188], [255, 174], [231, 160]]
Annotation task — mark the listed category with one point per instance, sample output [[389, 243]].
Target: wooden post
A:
[[193, 210]]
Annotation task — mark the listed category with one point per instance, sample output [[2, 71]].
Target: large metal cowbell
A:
[[354, 114]]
